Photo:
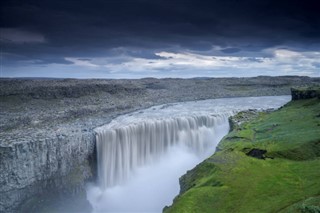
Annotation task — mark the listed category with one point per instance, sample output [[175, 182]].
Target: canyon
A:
[[48, 138]]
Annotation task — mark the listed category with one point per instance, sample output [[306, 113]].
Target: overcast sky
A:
[[154, 38]]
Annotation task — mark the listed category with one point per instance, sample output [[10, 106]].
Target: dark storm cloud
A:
[[231, 50], [139, 28]]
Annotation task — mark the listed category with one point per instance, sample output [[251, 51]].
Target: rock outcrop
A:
[[305, 93], [56, 163]]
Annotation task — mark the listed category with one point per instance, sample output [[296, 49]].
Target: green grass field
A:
[[287, 180]]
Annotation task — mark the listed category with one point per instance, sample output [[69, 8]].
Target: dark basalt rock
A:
[[257, 153], [305, 93]]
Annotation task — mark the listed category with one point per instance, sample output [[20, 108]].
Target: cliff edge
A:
[[268, 164], [305, 93]]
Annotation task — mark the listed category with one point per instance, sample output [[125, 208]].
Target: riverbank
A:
[[268, 164]]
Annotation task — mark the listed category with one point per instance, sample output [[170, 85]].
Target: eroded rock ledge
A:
[[305, 93]]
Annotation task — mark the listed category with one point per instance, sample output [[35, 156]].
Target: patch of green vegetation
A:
[[286, 181], [199, 177], [309, 205]]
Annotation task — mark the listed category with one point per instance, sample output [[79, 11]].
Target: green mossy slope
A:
[[286, 180]]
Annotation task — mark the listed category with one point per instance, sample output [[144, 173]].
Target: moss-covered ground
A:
[[286, 180]]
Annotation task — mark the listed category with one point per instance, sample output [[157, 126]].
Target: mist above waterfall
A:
[[142, 155]]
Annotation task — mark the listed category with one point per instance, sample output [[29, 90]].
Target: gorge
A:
[[166, 140], [48, 151]]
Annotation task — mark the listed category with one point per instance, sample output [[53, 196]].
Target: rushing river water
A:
[[142, 155]]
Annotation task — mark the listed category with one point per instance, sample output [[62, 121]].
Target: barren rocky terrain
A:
[[32, 105]]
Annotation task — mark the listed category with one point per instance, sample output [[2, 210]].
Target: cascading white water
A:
[[122, 150], [142, 155]]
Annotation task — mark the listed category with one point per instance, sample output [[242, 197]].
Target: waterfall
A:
[[145, 152], [122, 149]]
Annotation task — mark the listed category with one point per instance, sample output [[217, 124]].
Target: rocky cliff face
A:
[[52, 163], [47, 143], [305, 93]]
